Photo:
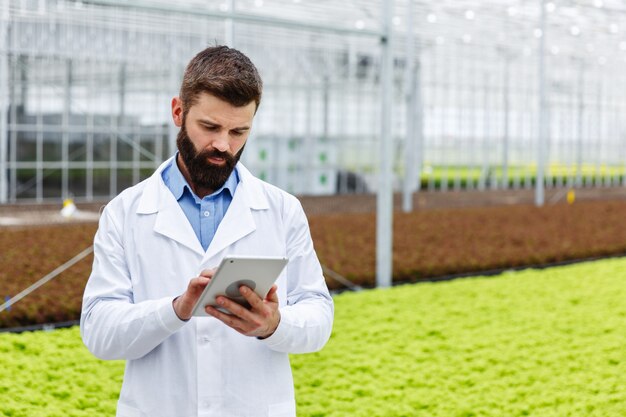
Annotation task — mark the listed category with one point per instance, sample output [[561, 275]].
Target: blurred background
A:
[[482, 94]]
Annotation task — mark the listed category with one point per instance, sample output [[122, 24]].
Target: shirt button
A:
[[205, 339], [206, 213]]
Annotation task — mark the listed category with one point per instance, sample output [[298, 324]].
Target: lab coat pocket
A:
[[284, 409], [124, 410]]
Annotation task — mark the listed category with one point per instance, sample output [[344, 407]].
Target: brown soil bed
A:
[[428, 243]]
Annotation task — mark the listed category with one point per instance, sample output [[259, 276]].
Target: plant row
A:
[[531, 343], [426, 244]]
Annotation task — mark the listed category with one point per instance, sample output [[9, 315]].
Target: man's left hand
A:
[[261, 320]]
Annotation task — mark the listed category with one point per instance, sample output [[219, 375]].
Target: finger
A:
[[272, 295], [196, 286], [208, 273], [235, 308], [183, 305], [228, 319], [251, 297]]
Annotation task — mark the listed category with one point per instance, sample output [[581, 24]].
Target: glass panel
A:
[[124, 149], [101, 182], [148, 143], [77, 146], [124, 179], [26, 150], [52, 183], [26, 183], [101, 147], [77, 182], [52, 150]]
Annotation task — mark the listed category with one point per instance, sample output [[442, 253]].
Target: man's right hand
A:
[[183, 304]]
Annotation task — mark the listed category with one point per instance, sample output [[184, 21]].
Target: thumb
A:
[[272, 295]]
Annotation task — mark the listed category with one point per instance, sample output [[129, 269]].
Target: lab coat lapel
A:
[[170, 220], [238, 222], [172, 223]]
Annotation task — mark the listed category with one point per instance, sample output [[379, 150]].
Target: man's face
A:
[[211, 138]]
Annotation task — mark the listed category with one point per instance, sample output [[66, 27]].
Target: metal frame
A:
[[84, 86]]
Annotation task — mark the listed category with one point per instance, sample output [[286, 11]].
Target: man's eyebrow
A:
[[208, 122], [213, 124]]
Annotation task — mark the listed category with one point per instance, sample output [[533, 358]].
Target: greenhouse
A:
[[477, 94], [445, 182]]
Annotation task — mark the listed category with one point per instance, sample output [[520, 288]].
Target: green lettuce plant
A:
[[536, 343]]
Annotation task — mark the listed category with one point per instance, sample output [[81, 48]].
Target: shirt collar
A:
[[177, 183]]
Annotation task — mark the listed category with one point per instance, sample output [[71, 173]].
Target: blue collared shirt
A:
[[205, 214]]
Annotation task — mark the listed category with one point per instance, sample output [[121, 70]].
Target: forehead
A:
[[211, 108]]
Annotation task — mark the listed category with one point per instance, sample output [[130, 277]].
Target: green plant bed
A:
[[463, 177], [532, 343]]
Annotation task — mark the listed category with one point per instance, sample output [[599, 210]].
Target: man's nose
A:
[[221, 142]]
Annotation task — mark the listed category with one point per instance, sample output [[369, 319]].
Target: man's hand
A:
[[260, 321], [183, 304]]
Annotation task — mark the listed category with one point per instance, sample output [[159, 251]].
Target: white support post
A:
[[417, 143], [542, 138], [229, 26], [579, 124], [172, 130], [506, 114], [487, 176], [384, 206], [419, 125], [4, 108], [411, 104], [65, 136], [309, 145], [113, 162]]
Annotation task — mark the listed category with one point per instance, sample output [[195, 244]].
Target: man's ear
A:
[[177, 111]]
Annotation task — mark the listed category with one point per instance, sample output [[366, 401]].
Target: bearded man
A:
[[155, 251]]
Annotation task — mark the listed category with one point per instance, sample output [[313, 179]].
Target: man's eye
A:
[[237, 133]]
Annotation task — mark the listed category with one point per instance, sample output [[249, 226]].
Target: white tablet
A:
[[257, 273]]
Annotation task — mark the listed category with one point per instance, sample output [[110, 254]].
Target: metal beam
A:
[[410, 91], [229, 26], [579, 125], [65, 136], [506, 114], [235, 16], [542, 138], [172, 130], [4, 109], [384, 206]]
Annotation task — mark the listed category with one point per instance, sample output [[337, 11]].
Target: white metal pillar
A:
[[542, 138], [229, 26], [486, 176], [121, 86], [410, 91], [415, 147], [4, 106], [172, 130], [65, 136], [384, 202], [579, 124], [309, 145], [506, 113]]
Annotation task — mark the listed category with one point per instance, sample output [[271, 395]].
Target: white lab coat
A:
[[145, 253]]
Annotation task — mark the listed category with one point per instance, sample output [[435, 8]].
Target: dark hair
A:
[[223, 72]]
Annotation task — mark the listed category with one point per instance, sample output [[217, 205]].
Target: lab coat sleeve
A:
[[112, 326], [307, 319]]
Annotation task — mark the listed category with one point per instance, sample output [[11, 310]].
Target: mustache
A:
[[214, 153]]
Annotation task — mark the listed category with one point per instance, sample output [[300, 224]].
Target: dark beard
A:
[[204, 174]]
